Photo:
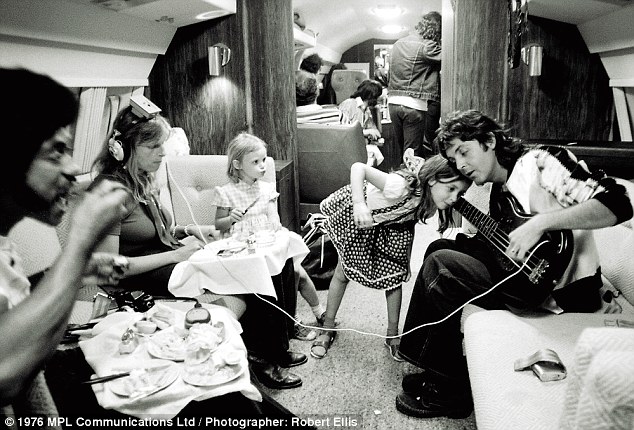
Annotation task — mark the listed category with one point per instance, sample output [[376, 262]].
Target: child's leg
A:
[[393, 298], [307, 289], [336, 291]]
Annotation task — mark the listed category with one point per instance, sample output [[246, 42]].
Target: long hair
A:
[[435, 168], [241, 145], [134, 131], [474, 125], [369, 90], [430, 26], [24, 129]]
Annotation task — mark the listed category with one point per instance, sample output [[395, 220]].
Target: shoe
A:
[[276, 377], [392, 347], [324, 340], [292, 359], [322, 318], [433, 403], [304, 333], [414, 383]]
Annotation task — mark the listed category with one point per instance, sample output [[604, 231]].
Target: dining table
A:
[[231, 266], [100, 346]]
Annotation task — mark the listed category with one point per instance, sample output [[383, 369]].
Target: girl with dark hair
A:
[[358, 108], [371, 223]]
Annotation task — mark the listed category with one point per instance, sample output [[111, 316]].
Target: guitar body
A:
[[548, 261]]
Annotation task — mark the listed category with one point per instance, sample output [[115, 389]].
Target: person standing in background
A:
[[414, 87]]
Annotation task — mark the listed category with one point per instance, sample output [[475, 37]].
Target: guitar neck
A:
[[486, 225]]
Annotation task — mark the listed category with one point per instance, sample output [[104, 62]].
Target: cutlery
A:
[[251, 205], [107, 378]]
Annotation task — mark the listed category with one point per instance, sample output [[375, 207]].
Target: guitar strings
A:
[[503, 241]]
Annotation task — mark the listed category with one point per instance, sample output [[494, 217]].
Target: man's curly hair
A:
[[430, 26]]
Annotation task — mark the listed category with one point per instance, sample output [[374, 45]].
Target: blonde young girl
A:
[[246, 202], [371, 223]]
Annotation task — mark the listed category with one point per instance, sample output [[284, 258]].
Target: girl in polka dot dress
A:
[[371, 223]]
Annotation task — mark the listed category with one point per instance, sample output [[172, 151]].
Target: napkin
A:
[[102, 353]]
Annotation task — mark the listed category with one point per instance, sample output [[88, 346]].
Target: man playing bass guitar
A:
[[566, 203]]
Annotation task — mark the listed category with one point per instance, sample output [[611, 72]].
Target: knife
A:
[[107, 378], [251, 205]]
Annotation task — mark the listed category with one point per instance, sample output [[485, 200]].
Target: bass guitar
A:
[[551, 255]]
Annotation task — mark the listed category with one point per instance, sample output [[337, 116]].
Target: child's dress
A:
[[377, 257], [241, 195]]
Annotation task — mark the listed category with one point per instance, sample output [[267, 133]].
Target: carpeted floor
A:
[[358, 381]]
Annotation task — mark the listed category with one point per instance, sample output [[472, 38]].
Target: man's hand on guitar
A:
[[524, 237]]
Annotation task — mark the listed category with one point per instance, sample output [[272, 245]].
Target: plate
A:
[[155, 376], [206, 374], [167, 345]]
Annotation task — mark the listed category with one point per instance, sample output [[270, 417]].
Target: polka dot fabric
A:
[[377, 257]]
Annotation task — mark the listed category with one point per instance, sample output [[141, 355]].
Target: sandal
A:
[[393, 349], [324, 341]]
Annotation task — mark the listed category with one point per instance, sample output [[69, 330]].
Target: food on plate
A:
[[146, 327], [167, 345], [163, 316], [211, 372], [145, 380], [231, 356]]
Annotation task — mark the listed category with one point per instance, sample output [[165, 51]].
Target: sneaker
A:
[[434, 401], [304, 333]]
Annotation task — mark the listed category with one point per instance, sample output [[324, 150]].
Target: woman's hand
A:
[[105, 268], [362, 215], [186, 251], [204, 233]]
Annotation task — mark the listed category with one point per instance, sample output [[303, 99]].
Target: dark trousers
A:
[[454, 272], [415, 129], [266, 330]]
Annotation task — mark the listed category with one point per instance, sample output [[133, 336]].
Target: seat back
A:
[[346, 82], [191, 180], [325, 153]]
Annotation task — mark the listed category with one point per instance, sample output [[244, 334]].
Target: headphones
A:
[[115, 147], [144, 110]]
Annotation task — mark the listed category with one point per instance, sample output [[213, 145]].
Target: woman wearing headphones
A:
[[131, 156]]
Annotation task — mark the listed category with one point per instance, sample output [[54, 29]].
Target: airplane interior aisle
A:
[[358, 380]]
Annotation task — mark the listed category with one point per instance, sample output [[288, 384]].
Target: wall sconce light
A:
[[532, 56], [219, 56]]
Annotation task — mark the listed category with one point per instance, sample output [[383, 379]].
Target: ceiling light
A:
[[392, 29], [387, 11], [211, 14]]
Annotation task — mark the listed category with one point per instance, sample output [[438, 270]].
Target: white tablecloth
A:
[[102, 353], [241, 273]]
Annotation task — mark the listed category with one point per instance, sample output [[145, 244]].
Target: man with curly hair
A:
[[414, 87]]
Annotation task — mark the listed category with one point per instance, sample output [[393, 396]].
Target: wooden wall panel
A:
[[272, 76], [571, 99], [255, 91], [211, 110], [479, 44]]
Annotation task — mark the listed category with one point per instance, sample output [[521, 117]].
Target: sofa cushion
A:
[[506, 399], [599, 392]]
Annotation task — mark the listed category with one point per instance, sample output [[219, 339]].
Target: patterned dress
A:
[[377, 257]]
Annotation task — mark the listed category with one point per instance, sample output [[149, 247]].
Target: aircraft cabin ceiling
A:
[[341, 24]]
